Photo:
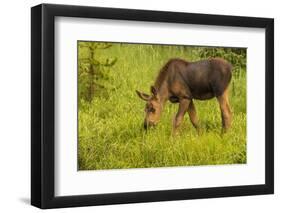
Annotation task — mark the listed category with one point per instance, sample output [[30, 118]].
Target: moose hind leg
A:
[[193, 115], [183, 106], [225, 110]]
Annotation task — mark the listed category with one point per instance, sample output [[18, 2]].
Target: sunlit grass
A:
[[110, 127]]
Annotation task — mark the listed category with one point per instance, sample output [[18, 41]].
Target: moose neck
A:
[[161, 84], [162, 93]]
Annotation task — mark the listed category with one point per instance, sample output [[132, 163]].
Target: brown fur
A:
[[180, 82]]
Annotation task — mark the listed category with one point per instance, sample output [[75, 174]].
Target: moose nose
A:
[[148, 124], [145, 125]]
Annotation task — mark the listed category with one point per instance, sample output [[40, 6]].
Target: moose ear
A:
[[142, 95], [153, 91]]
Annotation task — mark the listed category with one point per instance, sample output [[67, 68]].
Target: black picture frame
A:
[[43, 102]]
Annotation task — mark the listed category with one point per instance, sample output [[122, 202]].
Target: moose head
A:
[[153, 107]]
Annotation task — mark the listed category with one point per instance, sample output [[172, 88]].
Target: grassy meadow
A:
[[110, 122]]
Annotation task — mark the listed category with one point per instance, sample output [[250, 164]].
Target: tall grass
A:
[[110, 126]]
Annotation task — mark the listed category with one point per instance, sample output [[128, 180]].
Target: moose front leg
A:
[[193, 115], [225, 110], [183, 106]]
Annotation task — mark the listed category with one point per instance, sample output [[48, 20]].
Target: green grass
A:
[[110, 126]]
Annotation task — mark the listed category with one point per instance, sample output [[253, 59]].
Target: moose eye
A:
[[152, 110]]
